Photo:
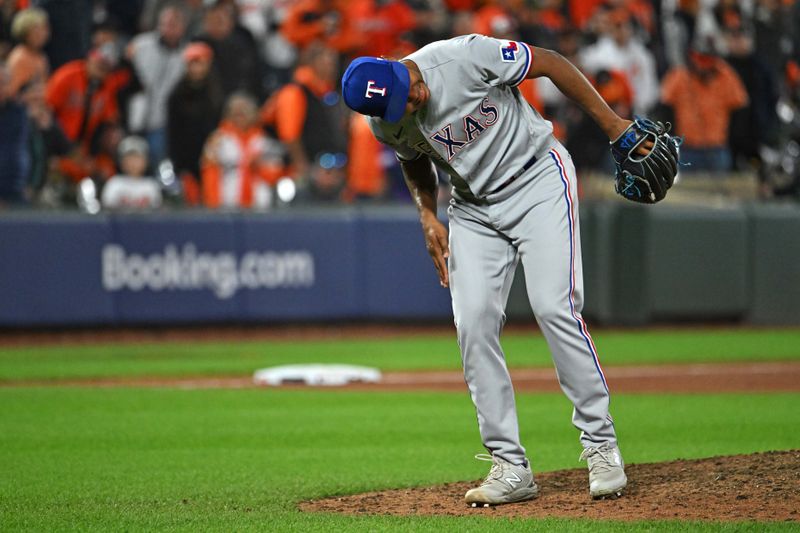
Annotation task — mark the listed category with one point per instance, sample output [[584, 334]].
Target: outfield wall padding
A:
[[641, 264], [645, 264], [774, 255]]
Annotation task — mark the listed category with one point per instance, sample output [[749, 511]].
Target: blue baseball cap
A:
[[376, 87]]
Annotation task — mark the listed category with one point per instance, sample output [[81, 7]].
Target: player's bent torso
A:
[[476, 126]]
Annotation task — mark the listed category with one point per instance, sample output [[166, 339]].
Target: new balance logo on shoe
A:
[[513, 480]]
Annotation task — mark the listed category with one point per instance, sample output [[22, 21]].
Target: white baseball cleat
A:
[[506, 483], [606, 471]]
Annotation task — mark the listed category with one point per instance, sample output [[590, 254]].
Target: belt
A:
[[519, 173]]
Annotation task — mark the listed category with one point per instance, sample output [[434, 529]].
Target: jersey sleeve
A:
[[497, 61]]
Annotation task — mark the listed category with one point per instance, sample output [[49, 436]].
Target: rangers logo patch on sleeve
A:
[[508, 53]]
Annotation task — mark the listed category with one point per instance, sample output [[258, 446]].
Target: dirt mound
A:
[[761, 487]]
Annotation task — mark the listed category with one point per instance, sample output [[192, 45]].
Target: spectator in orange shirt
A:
[[308, 118], [80, 96], [703, 96], [240, 164], [382, 24], [329, 21], [27, 63], [366, 175], [83, 99]]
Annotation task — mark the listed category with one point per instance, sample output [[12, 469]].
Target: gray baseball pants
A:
[[533, 219]]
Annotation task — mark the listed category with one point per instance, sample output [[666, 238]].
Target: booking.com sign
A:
[[184, 268]]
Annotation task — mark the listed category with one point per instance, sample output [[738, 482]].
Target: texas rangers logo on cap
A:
[[376, 87], [508, 53]]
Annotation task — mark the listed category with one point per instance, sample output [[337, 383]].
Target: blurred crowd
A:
[[135, 104]]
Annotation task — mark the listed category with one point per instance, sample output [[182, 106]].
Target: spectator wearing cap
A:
[[240, 164], [27, 63], [703, 96], [193, 112], [83, 99], [620, 50], [158, 61], [307, 115], [131, 189]]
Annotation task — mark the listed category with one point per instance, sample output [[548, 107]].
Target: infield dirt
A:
[[757, 487], [688, 378]]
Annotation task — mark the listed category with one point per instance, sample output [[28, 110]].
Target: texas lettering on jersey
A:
[[471, 129]]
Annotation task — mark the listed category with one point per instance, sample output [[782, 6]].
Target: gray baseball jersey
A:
[[478, 128]]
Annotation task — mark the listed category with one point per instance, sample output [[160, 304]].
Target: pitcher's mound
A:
[[761, 486]]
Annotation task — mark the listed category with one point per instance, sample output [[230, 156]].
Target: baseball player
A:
[[455, 104]]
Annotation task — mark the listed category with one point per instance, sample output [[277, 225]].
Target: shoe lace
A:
[[496, 472], [599, 458]]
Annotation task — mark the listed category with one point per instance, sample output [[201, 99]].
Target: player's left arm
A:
[[575, 86]]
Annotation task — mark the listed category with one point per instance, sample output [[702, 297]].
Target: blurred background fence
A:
[[641, 265]]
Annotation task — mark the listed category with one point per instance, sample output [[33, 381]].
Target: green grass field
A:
[[233, 460], [400, 353]]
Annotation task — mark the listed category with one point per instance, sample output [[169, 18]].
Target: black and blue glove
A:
[[645, 176]]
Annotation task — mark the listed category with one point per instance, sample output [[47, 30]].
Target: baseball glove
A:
[[645, 178]]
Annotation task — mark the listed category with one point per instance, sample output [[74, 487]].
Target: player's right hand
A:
[[437, 244]]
